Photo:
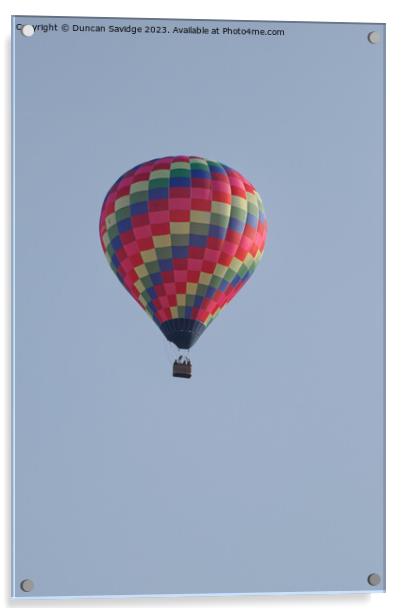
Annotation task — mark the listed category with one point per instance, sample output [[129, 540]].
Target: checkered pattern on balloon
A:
[[183, 234]]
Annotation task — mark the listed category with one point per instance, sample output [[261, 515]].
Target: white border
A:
[[279, 10]]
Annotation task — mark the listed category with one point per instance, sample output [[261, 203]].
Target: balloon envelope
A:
[[183, 234]]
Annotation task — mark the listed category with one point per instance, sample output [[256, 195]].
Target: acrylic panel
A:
[[203, 198]]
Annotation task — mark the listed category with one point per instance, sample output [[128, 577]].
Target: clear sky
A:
[[248, 476]]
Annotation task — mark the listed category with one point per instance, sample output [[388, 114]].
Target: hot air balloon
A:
[[183, 234]]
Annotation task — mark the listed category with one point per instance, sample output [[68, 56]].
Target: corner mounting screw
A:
[[374, 579], [27, 30], [26, 585], [374, 37]]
